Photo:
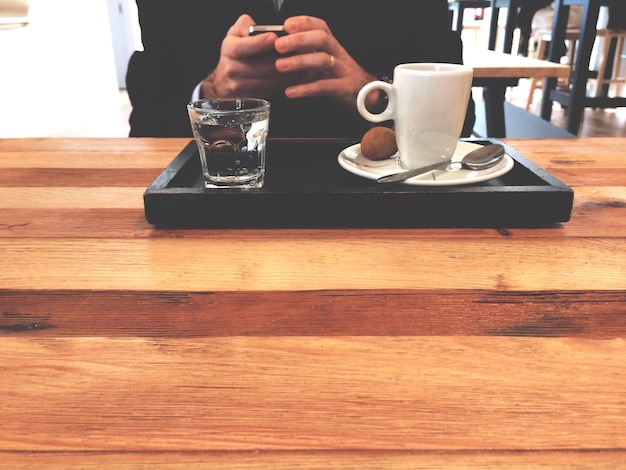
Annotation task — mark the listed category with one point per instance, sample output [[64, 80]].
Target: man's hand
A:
[[307, 62], [311, 49], [246, 66]]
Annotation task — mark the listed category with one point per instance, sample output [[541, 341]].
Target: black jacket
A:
[[182, 41]]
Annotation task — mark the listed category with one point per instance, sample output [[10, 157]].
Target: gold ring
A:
[[332, 60]]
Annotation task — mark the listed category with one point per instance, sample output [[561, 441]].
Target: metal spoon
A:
[[479, 159]]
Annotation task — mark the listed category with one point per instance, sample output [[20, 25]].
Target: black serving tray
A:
[[306, 187]]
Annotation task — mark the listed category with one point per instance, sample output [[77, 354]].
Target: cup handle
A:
[[387, 113]]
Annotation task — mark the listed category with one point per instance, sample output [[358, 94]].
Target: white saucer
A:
[[352, 160]]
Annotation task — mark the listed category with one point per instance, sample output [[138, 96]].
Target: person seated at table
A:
[[543, 19], [525, 14], [311, 76]]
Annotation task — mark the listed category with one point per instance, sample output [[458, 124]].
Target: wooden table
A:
[[496, 71], [124, 345]]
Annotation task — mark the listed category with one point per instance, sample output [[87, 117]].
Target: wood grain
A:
[[490, 64], [312, 459], [301, 393], [323, 263], [127, 346], [313, 313]]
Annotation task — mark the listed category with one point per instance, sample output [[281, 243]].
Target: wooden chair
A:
[[610, 35], [542, 39]]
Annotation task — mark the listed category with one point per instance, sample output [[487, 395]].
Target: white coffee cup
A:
[[427, 103]]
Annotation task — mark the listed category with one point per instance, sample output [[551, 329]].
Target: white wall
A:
[[57, 75], [125, 33]]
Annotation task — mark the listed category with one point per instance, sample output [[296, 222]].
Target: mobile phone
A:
[[265, 28]]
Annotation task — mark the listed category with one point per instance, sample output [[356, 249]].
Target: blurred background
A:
[[63, 73]]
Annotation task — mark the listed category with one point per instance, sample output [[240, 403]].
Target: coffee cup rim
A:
[[434, 67]]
